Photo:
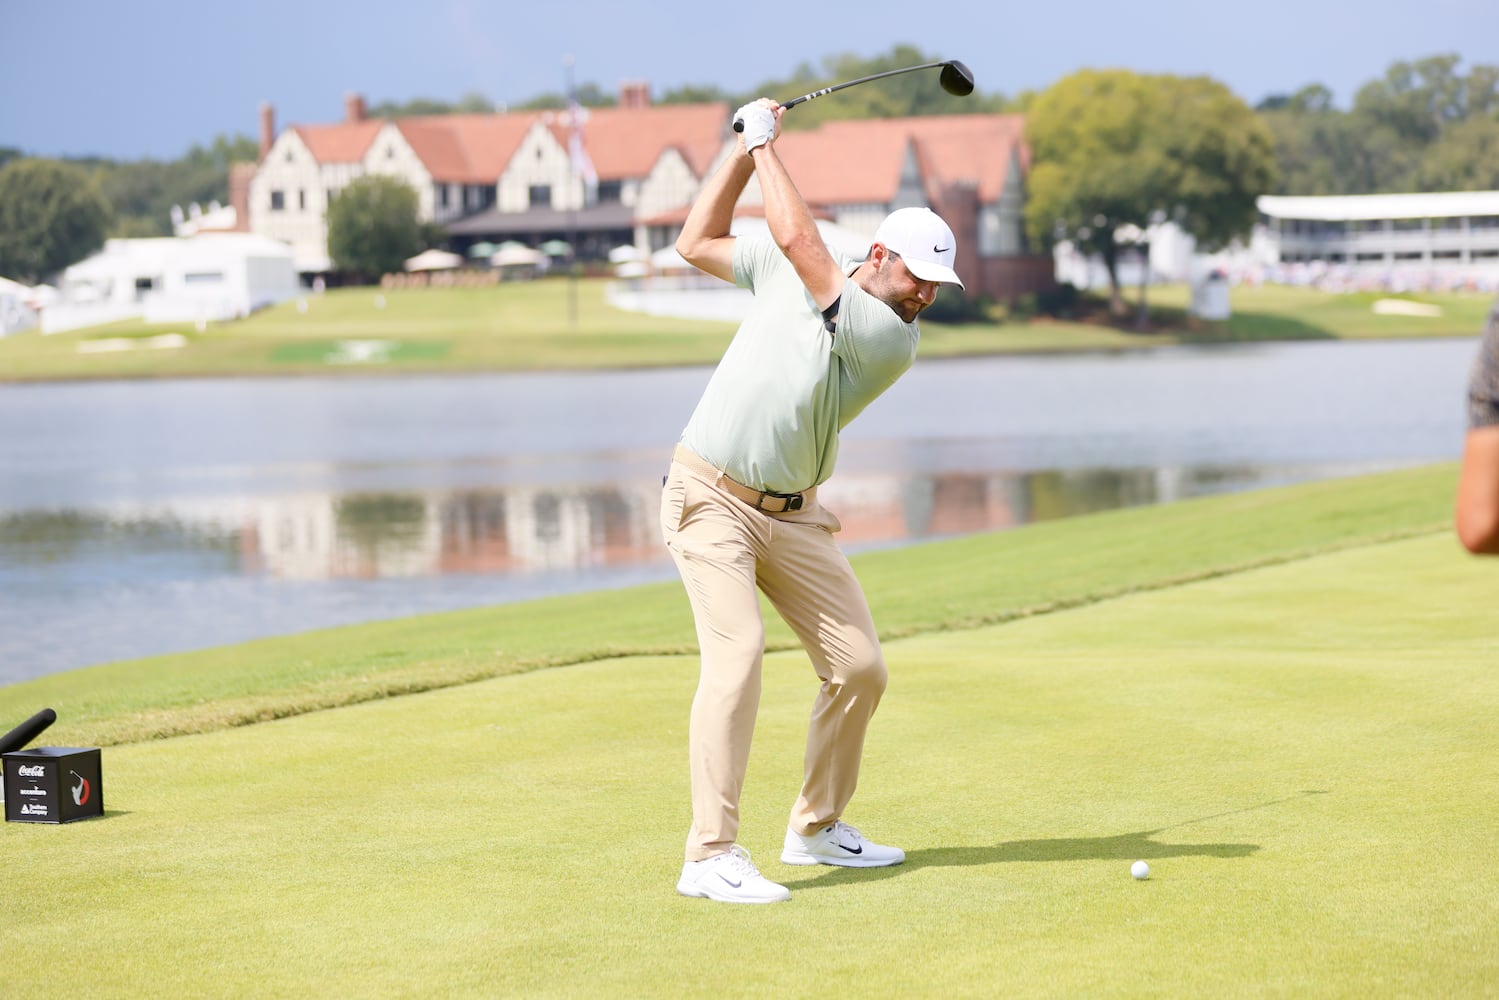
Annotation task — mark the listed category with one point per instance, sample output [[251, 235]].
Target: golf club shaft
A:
[[27, 731], [739, 126]]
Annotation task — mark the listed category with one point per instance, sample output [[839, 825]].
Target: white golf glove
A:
[[759, 124]]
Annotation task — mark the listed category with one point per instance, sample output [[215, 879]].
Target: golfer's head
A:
[[924, 243]]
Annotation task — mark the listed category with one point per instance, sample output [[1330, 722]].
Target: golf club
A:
[[27, 731], [956, 79]]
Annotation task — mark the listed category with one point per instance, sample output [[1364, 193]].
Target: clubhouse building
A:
[[603, 180]]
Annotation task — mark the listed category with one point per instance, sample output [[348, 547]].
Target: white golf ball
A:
[[1140, 870]]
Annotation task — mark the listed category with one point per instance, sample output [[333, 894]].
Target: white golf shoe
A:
[[838, 844], [730, 878]]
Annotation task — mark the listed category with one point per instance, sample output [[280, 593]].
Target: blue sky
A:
[[153, 77]]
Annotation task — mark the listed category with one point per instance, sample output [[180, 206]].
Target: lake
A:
[[146, 517]]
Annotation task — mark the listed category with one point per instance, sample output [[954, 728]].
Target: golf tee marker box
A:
[[53, 785]]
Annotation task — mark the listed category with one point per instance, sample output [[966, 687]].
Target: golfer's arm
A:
[[794, 229], [1477, 513], [705, 242]]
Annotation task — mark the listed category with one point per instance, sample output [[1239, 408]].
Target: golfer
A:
[[739, 509], [1478, 482]]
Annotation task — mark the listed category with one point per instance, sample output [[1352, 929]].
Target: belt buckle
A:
[[791, 502]]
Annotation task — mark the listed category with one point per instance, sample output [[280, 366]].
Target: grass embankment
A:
[[554, 325], [937, 587], [1284, 701]]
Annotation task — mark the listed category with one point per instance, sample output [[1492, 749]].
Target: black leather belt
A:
[[761, 500]]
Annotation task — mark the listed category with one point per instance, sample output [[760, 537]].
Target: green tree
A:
[[1320, 150], [373, 226], [1423, 126], [1415, 100], [589, 95], [142, 192], [906, 95], [1465, 158], [897, 97], [472, 102], [51, 215], [695, 94], [1115, 152]]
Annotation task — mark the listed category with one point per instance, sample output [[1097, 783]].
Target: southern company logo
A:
[[81, 789]]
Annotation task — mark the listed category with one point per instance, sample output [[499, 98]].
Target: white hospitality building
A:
[[1396, 242], [204, 278]]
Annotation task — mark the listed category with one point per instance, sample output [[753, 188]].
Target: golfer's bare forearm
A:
[[794, 230], [1477, 513], [705, 242]]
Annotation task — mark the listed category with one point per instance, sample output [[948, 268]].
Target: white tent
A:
[[667, 259], [208, 277], [628, 253], [17, 309], [838, 238], [434, 260], [516, 255]]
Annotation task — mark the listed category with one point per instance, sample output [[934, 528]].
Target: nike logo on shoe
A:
[[732, 885], [852, 850]]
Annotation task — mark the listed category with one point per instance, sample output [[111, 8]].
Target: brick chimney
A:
[[267, 127], [634, 94], [240, 175], [353, 108]]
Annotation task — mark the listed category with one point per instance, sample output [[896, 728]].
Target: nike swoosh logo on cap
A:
[[937, 249]]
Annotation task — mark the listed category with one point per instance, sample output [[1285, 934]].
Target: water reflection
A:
[[139, 518], [554, 530]]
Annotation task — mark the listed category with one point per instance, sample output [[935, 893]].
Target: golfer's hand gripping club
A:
[[757, 121]]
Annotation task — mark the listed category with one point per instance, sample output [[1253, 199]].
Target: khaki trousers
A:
[[724, 550]]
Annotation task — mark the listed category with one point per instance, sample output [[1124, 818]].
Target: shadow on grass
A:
[[1251, 325], [1120, 847]]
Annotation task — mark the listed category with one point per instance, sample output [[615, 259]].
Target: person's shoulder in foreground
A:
[[1477, 513]]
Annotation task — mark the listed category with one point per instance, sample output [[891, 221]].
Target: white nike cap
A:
[[923, 241]]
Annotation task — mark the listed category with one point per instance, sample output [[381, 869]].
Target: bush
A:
[[373, 226], [1060, 302], [51, 215], [952, 306]]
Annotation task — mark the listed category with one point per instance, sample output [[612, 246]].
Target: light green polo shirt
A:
[[772, 410]]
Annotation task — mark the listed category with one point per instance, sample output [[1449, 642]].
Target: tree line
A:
[[1110, 148], [1426, 126]]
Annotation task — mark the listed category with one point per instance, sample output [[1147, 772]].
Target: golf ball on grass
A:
[[1140, 870]]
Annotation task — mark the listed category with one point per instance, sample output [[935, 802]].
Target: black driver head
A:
[[957, 79]]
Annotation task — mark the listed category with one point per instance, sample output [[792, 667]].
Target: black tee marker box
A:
[[53, 785]]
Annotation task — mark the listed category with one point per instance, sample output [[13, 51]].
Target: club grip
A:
[[27, 731], [739, 122]]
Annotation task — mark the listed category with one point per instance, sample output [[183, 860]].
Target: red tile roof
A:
[[838, 163], [345, 142], [466, 149], [476, 148], [627, 142], [854, 161]]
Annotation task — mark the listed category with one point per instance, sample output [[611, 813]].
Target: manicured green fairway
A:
[[558, 325], [1300, 743]]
